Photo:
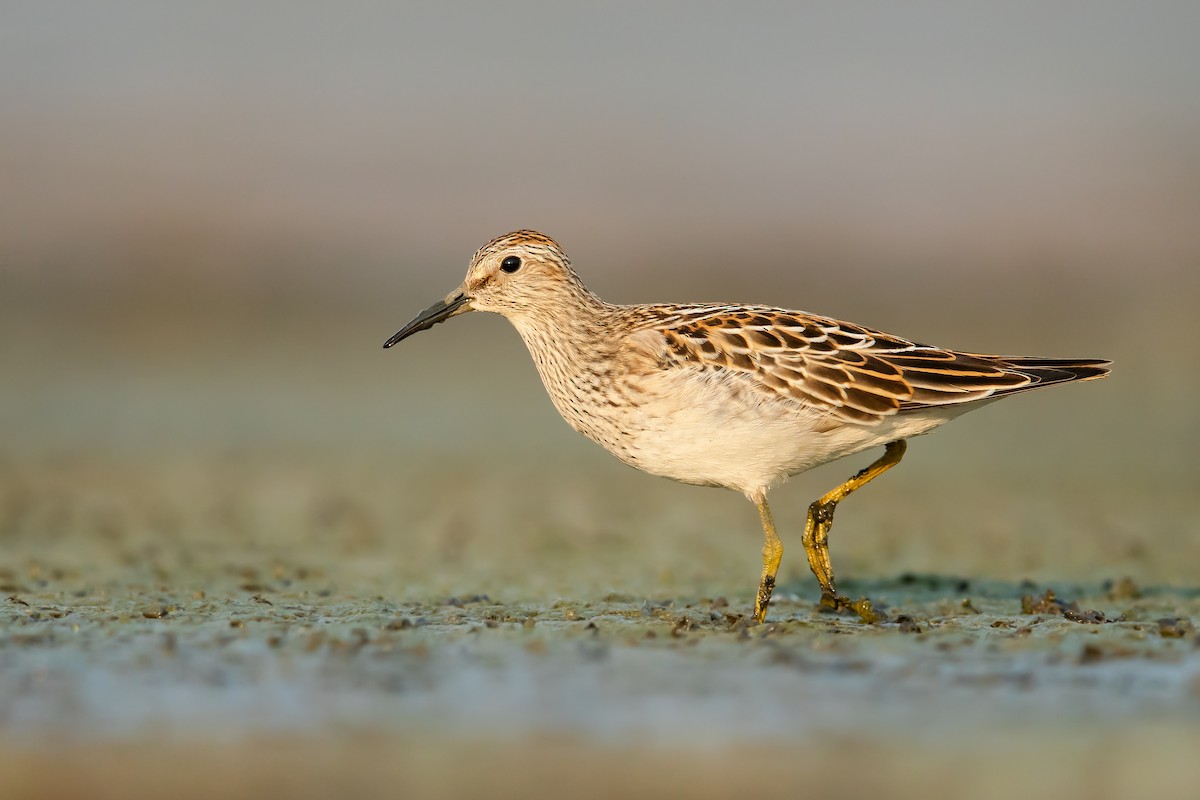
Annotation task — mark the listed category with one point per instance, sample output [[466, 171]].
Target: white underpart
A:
[[703, 431]]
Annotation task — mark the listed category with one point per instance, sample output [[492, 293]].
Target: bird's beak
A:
[[455, 303]]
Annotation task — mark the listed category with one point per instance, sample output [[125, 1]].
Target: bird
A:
[[729, 395]]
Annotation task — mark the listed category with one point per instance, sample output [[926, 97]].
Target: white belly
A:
[[703, 432]]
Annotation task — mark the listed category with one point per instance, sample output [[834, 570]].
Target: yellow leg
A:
[[772, 555], [820, 520]]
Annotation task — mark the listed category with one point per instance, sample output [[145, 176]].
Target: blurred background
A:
[[213, 214]]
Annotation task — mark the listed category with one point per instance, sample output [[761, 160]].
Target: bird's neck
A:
[[566, 339]]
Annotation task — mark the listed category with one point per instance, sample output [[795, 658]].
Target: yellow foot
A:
[[763, 599], [865, 609]]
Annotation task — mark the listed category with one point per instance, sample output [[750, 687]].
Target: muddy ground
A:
[[350, 571]]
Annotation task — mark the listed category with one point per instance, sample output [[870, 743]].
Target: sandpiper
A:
[[739, 396]]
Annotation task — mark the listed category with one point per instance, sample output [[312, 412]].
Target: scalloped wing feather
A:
[[851, 372]]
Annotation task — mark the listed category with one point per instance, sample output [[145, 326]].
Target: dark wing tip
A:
[[1060, 370]]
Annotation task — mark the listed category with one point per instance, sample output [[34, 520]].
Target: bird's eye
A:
[[510, 264]]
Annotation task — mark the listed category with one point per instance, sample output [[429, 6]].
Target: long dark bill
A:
[[438, 312]]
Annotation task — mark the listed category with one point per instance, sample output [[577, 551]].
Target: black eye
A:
[[510, 264]]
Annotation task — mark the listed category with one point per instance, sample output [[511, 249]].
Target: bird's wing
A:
[[851, 372]]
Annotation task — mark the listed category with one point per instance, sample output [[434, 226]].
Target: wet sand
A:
[[270, 575]]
